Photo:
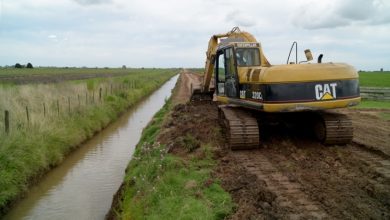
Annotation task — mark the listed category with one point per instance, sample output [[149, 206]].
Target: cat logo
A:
[[325, 91]]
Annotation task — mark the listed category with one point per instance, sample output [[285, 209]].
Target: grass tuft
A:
[[190, 143]]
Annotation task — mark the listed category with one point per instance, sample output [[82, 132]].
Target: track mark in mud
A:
[[289, 195], [370, 130], [376, 161]]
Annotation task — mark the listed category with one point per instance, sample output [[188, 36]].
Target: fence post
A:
[[100, 94], [58, 107], [78, 97], [44, 110], [93, 96], [69, 104], [28, 115], [111, 88], [6, 121]]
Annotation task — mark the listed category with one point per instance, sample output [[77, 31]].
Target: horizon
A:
[[112, 33]]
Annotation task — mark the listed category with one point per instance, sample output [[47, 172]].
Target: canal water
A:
[[82, 187]]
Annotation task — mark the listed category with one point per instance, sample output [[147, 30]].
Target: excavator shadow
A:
[[295, 127]]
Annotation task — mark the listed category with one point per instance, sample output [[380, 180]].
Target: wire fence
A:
[[14, 120]]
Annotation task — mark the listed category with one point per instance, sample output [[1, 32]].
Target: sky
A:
[[175, 33]]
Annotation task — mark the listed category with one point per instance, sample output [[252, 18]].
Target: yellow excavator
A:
[[252, 92]]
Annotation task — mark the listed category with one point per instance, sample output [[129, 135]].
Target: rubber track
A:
[[339, 129], [241, 128], [289, 195]]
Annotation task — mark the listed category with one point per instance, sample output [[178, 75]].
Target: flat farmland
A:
[[55, 75]]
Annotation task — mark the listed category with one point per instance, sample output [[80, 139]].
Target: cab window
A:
[[248, 57], [229, 59], [221, 68]]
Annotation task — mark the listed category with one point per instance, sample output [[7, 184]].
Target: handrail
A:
[[296, 52]]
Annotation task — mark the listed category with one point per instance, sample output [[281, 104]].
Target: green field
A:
[[60, 117], [56, 75], [64, 71], [374, 79]]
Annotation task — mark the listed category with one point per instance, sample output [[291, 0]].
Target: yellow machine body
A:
[[255, 83]]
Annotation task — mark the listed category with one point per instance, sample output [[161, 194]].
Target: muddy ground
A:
[[292, 176]]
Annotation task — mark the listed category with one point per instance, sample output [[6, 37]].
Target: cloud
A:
[[239, 19], [175, 32], [331, 14], [93, 2], [53, 38]]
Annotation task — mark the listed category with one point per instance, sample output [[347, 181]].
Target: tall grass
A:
[[33, 147]]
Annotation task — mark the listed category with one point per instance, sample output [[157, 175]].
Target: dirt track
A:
[[292, 176]]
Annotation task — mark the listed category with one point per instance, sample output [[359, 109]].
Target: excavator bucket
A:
[[197, 89], [198, 95]]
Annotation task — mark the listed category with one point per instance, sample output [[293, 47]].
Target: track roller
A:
[[334, 128], [242, 130]]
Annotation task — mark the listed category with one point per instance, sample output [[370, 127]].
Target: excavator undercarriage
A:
[[243, 128]]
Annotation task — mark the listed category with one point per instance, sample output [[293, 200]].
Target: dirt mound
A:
[[191, 124]]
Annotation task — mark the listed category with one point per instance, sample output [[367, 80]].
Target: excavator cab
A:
[[230, 59]]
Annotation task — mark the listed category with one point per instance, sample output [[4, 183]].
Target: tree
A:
[[29, 65], [17, 65]]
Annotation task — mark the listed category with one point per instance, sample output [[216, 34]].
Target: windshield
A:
[[248, 57]]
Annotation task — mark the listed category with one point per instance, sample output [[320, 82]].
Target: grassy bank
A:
[[374, 104], [383, 106], [60, 117], [160, 185], [374, 79]]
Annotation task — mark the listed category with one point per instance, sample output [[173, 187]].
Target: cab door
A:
[[226, 77], [231, 83], [220, 73]]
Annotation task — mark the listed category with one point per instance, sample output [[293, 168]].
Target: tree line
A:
[[19, 66]]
